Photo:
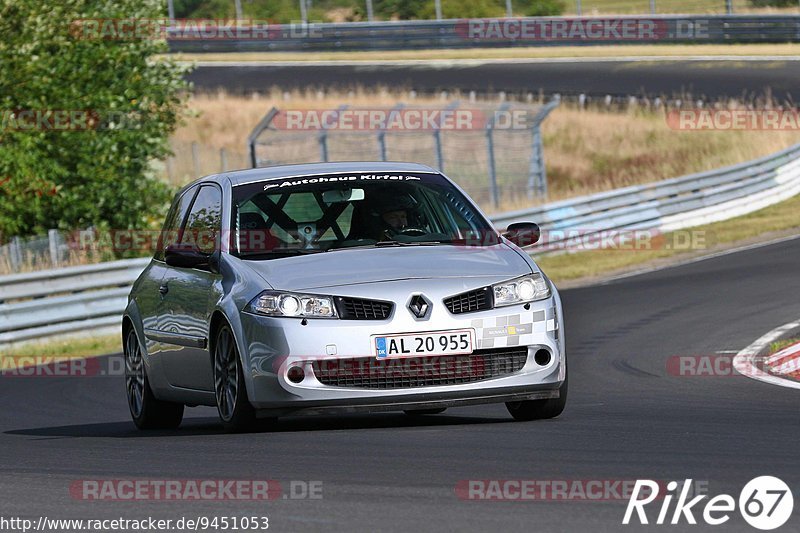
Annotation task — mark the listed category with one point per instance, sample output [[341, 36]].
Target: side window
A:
[[203, 224], [172, 224]]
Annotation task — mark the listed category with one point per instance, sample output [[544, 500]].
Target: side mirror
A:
[[523, 233], [183, 257]]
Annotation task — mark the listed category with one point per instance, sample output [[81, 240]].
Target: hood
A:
[[370, 265]]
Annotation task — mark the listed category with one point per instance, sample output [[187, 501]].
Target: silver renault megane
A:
[[339, 287]]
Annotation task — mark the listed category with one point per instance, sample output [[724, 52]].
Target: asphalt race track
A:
[[625, 419], [708, 80]]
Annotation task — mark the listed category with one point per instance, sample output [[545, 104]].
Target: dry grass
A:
[[586, 150], [70, 347]]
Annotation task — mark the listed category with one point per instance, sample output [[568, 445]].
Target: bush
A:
[[87, 176], [773, 3], [543, 8]]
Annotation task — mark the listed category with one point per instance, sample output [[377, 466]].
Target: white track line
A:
[[447, 63], [744, 364]]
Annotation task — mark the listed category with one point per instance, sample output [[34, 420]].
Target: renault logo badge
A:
[[419, 306]]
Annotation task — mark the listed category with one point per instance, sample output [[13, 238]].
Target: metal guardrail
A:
[[674, 203], [457, 33], [77, 299], [87, 298]]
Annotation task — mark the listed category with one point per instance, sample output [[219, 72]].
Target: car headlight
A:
[[525, 289], [289, 304]]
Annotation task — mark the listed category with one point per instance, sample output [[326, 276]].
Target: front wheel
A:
[[235, 410], [539, 409], [147, 411]]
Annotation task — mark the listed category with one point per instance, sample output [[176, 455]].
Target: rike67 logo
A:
[[765, 503]]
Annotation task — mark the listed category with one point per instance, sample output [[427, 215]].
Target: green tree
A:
[[75, 177]]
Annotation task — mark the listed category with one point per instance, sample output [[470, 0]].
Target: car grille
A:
[[467, 302], [361, 309], [427, 371]]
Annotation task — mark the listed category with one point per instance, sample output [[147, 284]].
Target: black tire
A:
[[147, 411], [420, 412], [235, 411], [539, 409]]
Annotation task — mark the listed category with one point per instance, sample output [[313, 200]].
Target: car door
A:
[[189, 296], [148, 298]]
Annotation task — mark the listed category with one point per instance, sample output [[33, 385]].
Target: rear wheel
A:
[[420, 412], [235, 410], [147, 411], [539, 409]]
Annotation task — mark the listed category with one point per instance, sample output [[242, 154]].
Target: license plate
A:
[[453, 342]]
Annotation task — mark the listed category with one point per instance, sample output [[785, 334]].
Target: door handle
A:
[[163, 289]]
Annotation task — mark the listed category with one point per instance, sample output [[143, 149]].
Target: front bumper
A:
[[274, 346]]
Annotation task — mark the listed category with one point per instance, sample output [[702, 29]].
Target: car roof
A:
[[240, 177]]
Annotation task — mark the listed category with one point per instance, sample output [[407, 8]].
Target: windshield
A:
[[312, 214]]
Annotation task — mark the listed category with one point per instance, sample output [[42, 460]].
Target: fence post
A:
[[252, 139], [729, 6], [492, 170], [223, 160], [493, 190], [53, 238], [509, 9], [652, 7], [196, 159], [437, 136], [382, 133], [578, 7], [537, 175], [370, 14], [322, 138]]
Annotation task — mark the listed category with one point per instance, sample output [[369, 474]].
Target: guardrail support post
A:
[[578, 7], [52, 239], [15, 250], [729, 6]]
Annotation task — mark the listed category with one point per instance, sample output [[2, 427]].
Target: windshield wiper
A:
[[279, 252], [385, 244]]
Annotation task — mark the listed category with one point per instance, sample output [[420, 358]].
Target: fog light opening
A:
[[295, 374], [542, 357]]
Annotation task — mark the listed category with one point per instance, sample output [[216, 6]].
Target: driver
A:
[[397, 219], [392, 214]]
